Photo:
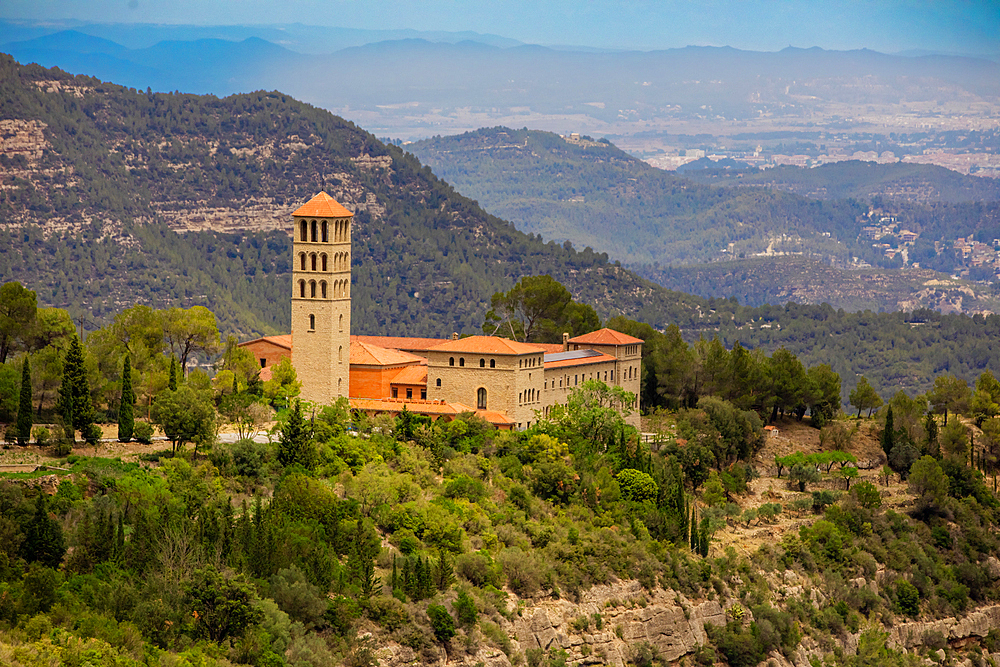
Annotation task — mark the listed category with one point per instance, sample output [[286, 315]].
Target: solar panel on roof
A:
[[572, 354]]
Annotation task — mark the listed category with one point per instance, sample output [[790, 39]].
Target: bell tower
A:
[[321, 299]]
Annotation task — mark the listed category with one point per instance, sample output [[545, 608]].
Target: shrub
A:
[[479, 569], [524, 574], [867, 495], [248, 458], [441, 622], [388, 612], [465, 609], [42, 436], [636, 486], [466, 487], [297, 597], [143, 433], [907, 598]]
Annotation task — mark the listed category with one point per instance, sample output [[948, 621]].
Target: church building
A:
[[504, 381]]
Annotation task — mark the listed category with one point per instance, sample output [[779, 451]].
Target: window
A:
[[312, 289], [322, 288], [395, 392], [493, 363], [482, 363], [312, 261], [263, 363], [423, 394], [438, 383], [340, 354], [409, 392], [323, 257], [313, 231], [461, 361], [323, 232], [341, 322], [481, 398], [612, 376], [302, 289], [302, 261], [519, 395], [312, 323], [576, 380], [451, 361], [302, 232]]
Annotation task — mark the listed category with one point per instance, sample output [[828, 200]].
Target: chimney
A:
[[454, 335], [565, 341]]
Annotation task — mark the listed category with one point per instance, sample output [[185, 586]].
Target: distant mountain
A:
[[920, 183], [415, 84], [115, 196], [657, 222]]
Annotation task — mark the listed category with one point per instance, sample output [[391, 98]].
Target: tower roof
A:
[[322, 206]]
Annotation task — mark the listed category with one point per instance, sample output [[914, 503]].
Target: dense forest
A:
[[324, 537]]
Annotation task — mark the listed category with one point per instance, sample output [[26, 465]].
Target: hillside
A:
[[920, 183], [656, 221], [100, 179], [806, 280], [596, 194]]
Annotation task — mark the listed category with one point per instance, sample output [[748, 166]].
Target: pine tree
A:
[[43, 537], [74, 392], [126, 412], [172, 382], [445, 571], [24, 416], [293, 446]]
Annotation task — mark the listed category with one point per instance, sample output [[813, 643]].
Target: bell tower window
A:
[[323, 231], [481, 398], [302, 232], [312, 322], [313, 230]]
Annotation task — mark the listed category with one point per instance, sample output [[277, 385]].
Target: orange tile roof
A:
[[487, 345], [583, 361], [322, 206], [549, 347], [401, 342], [366, 354], [411, 375], [606, 337], [284, 340]]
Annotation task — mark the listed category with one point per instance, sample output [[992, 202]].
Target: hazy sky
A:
[[964, 26]]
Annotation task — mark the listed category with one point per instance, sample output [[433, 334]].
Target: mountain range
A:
[[417, 86]]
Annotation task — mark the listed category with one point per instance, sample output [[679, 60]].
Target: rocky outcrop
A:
[[954, 630], [629, 615]]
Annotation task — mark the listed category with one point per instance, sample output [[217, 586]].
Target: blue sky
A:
[[961, 26]]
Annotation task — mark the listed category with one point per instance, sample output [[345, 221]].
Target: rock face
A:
[[629, 615], [954, 630]]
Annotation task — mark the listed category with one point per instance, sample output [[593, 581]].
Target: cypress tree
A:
[[126, 413], [74, 392], [24, 416], [119, 552], [889, 433], [172, 382]]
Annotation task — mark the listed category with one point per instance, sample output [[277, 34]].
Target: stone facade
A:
[[321, 299]]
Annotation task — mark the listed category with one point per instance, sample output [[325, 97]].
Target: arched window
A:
[[323, 260], [302, 289], [340, 354], [313, 230], [493, 363], [322, 288], [312, 261], [451, 361], [312, 289], [302, 261], [482, 363], [461, 361], [341, 322], [519, 398], [312, 322], [438, 383], [481, 398], [302, 231], [323, 231], [347, 261]]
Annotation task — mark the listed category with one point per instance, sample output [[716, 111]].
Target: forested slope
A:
[[97, 176], [594, 193]]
